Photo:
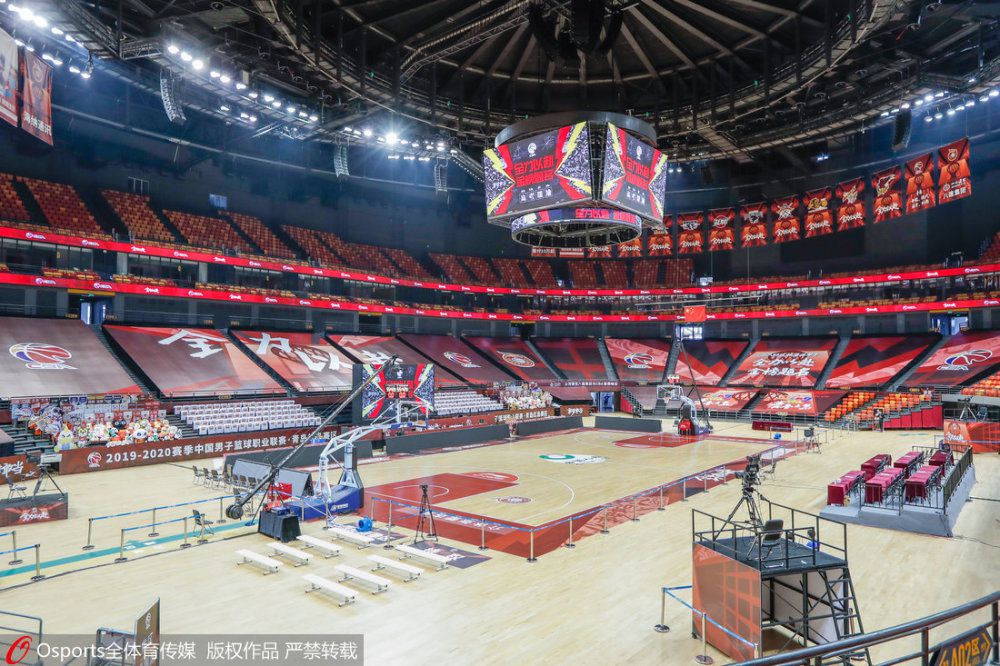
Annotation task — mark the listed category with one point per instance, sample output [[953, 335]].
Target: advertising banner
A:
[[707, 361], [782, 402], [726, 399], [753, 218], [877, 360], [785, 362], [962, 357], [308, 365], [377, 349], [851, 211], [721, 229], [632, 248], [514, 356], [819, 217], [8, 78], [599, 252], [954, 179], [452, 354], [690, 239], [920, 183], [577, 358], [660, 244], [888, 200], [639, 360], [982, 436], [635, 174], [785, 214], [36, 98]]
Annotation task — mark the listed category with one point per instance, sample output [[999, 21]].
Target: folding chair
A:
[[770, 538], [203, 523], [197, 475], [14, 490]]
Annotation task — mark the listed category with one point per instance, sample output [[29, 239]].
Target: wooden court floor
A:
[[593, 604]]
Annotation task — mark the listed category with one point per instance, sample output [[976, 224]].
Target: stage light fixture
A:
[[173, 49], [40, 21], [253, 94], [972, 79], [224, 108], [57, 61], [73, 69], [938, 116], [883, 114], [268, 98], [970, 103], [29, 48], [928, 97], [994, 92], [57, 31], [928, 118], [70, 38], [186, 57], [276, 104], [240, 85], [88, 70], [290, 109], [918, 102], [939, 94], [198, 65], [253, 118], [367, 132], [303, 114], [904, 105], [950, 112], [391, 138], [313, 118], [214, 74], [225, 78]]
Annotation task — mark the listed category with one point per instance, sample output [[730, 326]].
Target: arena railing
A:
[[841, 650], [705, 619], [20, 625]]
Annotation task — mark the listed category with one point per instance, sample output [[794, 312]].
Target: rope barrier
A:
[[90, 521]]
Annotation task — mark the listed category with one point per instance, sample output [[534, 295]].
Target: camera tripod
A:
[[425, 516]]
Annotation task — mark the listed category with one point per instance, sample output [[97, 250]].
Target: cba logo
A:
[[638, 361], [41, 356], [514, 499], [18, 650], [461, 359], [518, 360], [961, 362], [94, 459]]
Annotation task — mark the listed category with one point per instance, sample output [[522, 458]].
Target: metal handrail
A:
[[862, 641]]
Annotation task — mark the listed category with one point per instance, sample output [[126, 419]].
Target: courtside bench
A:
[[268, 564], [294, 554], [345, 594], [361, 540], [380, 584], [329, 549], [440, 561], [410, 572]]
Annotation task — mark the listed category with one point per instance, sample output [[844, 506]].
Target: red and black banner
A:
[[599, 252], [690, 239], [819, 217], [786, 219], [920, 184], [36, 100], [708, 361], [632, 248], [576, 358], [721, 229], [851, 211], [514, 356], [660, 243], [784, 362], [953, 161], [888, 200], [876, 361], [639, 360], [753, 218]]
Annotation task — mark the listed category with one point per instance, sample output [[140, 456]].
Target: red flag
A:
[[753, 218], [786, 219], [920, 183], [819, 218], [953, 181], [599, 252], [632, 248], [36, 100], [721, 233], [690, 239], [851, 213], [888, 200]]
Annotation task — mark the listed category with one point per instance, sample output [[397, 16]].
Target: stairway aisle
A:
[[838, 349], [144, 385], [609, 366]]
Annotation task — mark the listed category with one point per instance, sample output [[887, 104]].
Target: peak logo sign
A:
[[517, 360], [639, 361], [963, 361], [460, 359], [41, 356]]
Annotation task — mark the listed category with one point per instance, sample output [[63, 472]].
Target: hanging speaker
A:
[[902, 129]]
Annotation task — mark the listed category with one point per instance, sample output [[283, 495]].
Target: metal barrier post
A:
[[154, 532], [662, 627], [90, 528], [38, 563], [703, 658], [570, 543], [604, 530], [660, 507], [531, 546], [185, 543], [222, 513], [388, 528], [925, 647], [684, 490], [635, 515], [705, 483], [482, 535], [16, 560], [121, 548], [996, 632]]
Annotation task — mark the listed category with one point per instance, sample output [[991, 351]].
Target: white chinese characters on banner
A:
[[201, 343]]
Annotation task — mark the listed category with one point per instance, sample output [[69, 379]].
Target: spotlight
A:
[[253, 94], [73, 69], [972, 79], [240, 85], [367, 132], [214, 74], [186, 57], [313, 118], [198, 65], [303, 114], [57, 31], [70, 38], [939, 94], [918, 102], [173, 49], [960, 107], [904, 105], [408, 157], [391, 138], [290, 108], [243, 115], [928, 119], [928, 97], [225, 78], [347, 129], [276, 103], [57, 61], [883, 114], [938, 116], [970, 103], [984, 97], [253, 118], [393, 156], [268, 98], [994, 92], [40, 21], [950, 112], [224, 108]]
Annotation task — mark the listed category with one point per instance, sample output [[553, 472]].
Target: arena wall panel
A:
[[725, 399], [962, 357], [56, 357], [453, 437], [453, 354], [306, 363], [785, 362], [192, 361], [642, 360], [549, 425], [783, 402], [634, 425], [515, 356], [576, 358], [380, 348], [708, 360], [874, 361]]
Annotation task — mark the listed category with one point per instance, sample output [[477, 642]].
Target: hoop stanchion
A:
[[154, 532], [90, 530], [38, 563], [121, 549], [16, 560]]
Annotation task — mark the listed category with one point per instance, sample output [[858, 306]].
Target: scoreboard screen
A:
[[413, 383], [538, 172], [635, 175]]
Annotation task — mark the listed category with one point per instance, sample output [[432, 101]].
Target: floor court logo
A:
[[514, 499], [572, 458]]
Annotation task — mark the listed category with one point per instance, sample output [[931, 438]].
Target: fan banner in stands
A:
[[192, 361], [632, 248], [571, 252], [753, 221], [307, 364], [710, 360], [39, 508], [954, 177], [785, 362], [785, 213], [641, 360], [377, 349], [729, 592], [543, 251], [450, 353], [871, 362], [781, 402], [724, 399], [599, 252], [721, 225], [8, 78], [515, 356], [635, 174], [819, 217], [576, 358], [690, 239], [963, 356], [56, 357], [36, 97], [96, 458], [17, 468], [851, 211], [660, 244], [920, 184], [412, 383], [538, 172], [982, 436], [888, 200]]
